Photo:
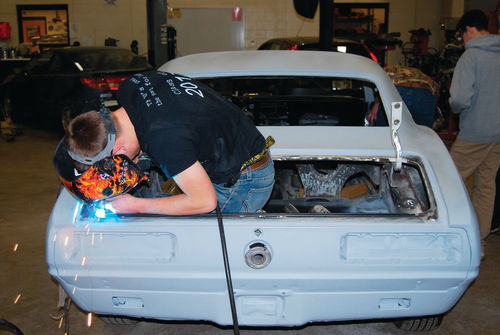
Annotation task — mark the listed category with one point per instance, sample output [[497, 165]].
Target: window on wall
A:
[[360, 19], [43, 25]]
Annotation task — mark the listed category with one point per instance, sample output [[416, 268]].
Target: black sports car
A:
[[63, 82]]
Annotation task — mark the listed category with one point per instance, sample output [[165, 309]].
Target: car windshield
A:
[[98, 60], [299, 100]]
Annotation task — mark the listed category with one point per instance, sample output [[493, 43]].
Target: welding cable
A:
[[67, 302], [236, 329], [12, 326]]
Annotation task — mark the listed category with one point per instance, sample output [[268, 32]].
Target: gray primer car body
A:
[[309, 266]]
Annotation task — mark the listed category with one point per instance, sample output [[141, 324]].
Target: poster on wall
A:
[[43, 25], [33, 28]]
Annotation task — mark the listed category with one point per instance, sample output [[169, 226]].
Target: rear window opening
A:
[[347, 187], [300, 100]]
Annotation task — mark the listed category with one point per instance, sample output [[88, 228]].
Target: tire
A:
[[118, 320], [420, 324]]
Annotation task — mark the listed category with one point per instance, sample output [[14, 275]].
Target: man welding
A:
[[205, 143]]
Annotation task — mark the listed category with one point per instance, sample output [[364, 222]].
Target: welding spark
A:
[[89, 320], [76, 211], [16, 246], [17, 298], [100, 213], [109, 207], [102, 209], [83, 260]]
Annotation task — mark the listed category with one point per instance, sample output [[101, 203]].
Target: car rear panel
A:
[[322, 268], [319, 267]]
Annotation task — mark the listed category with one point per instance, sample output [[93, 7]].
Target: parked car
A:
[[363, 222], [312, 43], [63, 82]]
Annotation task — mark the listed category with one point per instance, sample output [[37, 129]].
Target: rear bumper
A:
[[280, 307]]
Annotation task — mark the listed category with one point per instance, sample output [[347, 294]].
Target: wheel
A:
[[420, 324], [118, 320]]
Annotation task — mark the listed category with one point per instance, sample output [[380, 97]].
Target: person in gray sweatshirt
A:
[[475, 96]]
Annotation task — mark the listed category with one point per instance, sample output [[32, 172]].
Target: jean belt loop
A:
[[249, 172]]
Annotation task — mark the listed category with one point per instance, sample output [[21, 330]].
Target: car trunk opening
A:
[[348, 187]]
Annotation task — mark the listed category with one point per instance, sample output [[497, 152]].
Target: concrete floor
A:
[[28, 190]]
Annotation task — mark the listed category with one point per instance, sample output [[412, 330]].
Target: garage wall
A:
[[485, 5], [266, 19], [406, 15], [92, 21], [224, 32]]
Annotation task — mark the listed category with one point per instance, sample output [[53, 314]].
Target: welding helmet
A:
[[108, 175]]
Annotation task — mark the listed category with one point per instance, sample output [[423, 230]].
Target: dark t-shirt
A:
[[179, 121]]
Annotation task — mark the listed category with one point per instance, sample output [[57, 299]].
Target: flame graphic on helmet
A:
[[111, 176]]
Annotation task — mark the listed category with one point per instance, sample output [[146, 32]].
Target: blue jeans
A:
[[420, 102], [249, 193]]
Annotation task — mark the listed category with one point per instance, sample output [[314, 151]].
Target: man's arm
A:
[[199, 196], [372, 116]]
